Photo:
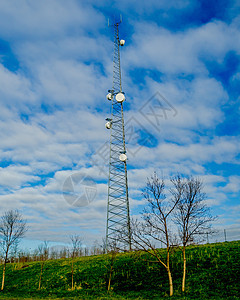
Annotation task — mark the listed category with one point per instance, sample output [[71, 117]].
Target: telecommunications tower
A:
[[118, 202]]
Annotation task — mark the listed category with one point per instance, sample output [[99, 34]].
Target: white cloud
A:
[[234, 185], [219, 150], [15, 176], [44, 19], [15, 87], [181, 52]]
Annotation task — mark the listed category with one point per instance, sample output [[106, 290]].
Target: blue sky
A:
[[55, 70]]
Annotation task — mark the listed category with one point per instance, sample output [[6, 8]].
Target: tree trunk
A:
[[72, 274], [110, 277], [168, 269], [184, 269], [3, 276], [40, 278], [170, 282], [4, 268]]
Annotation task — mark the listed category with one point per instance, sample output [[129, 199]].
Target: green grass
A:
[[213, 272]]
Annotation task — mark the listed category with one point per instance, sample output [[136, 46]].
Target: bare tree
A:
[[76, 243], [113, 249], [104, 245], [192, 215], [96, 248], [14, 253], [43, 252], [54, 254], [63, 253], [12, 229], [154, 228]]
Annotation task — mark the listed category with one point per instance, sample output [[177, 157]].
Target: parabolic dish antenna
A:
[[108, 125], [120, 97], [109, 96], [123, 157]]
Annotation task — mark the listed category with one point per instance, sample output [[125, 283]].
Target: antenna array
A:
[[118, 202]]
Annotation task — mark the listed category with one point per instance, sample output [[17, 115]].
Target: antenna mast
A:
[[118, 216]]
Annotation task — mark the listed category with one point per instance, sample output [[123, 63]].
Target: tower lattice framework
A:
[[118, 216]]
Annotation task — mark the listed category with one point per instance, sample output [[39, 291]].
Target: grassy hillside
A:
[[213, 272]]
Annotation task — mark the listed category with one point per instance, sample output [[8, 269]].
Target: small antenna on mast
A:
[[114, 22]]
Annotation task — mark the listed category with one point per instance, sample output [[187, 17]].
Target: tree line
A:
[[173, 217]]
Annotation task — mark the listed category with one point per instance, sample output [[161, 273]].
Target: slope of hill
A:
[[213, 272]]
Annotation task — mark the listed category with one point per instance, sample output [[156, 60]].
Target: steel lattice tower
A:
[[118, 202]]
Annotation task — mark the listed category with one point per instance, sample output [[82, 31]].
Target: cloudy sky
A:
[[181, 77]]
